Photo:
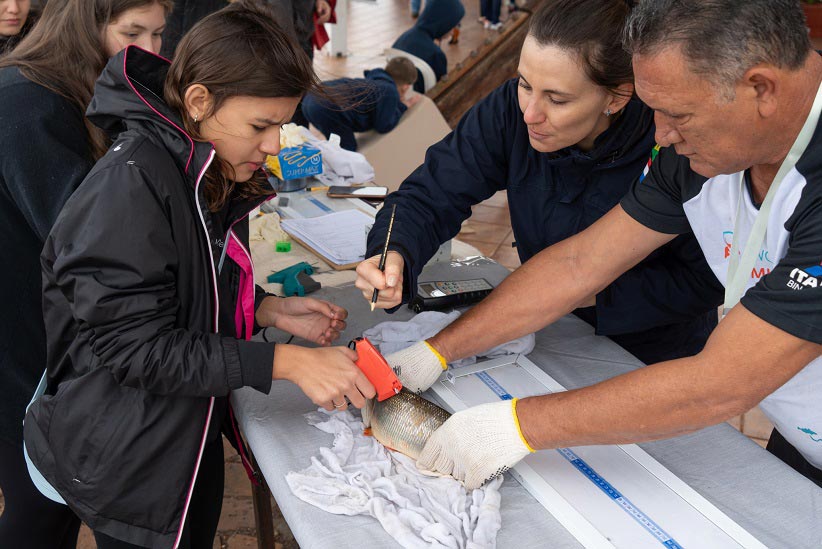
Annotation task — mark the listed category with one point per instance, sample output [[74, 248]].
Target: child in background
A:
[[48, 147], [378, 102]]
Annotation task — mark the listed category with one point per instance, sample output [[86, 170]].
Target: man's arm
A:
[[675, 397], [551, 284]]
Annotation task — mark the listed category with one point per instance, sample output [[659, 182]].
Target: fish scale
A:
[[405, 421]]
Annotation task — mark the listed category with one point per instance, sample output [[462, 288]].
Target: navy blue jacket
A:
[[663, 307], [438, 17], [377, 106], [46, 154]]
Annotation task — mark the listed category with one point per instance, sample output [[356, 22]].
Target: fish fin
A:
[[367, 411]]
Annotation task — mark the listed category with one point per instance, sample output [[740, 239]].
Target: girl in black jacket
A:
[[149, 296], [48, 145]]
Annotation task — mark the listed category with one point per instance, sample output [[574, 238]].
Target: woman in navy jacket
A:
[[565, 140]]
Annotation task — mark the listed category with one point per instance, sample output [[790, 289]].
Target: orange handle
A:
[[376, 368]]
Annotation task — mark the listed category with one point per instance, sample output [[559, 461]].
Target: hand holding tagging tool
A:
[[375, 368], [384, 253]]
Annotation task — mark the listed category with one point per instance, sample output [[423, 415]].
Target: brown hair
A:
[[237, 51], [402, 70], [65, 52], [592, 29]]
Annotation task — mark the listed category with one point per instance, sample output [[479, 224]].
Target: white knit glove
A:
[[477, 444], [417, 366]]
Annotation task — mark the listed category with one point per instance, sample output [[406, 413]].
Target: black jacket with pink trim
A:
[[140, 353]]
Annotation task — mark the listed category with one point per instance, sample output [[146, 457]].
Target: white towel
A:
[[394, 336], [340, 166], [358, 476]]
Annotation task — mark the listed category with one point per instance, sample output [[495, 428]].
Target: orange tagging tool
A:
[[375, 368]]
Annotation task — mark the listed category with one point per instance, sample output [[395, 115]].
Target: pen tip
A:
[[372, 307]]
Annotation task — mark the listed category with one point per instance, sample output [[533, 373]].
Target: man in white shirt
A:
[[733, 85]]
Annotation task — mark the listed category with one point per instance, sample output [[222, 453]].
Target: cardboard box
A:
[[296, 162]]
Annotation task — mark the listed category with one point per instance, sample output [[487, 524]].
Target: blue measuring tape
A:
[[320, 205], [590, 473]]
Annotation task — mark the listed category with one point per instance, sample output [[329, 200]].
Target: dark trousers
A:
[[784, 450], [204, 510], [329, 119], [30, 519], [490, 10]]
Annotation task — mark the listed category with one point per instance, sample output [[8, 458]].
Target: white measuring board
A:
[[606, 496]]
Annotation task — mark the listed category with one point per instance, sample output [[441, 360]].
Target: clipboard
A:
[[328, 261], [337, 238]]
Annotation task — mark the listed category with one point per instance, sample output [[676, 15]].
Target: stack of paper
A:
[[338, 237]]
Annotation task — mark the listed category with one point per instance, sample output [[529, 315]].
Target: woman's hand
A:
[[311, 319], [323, 10], [327, 376], [389, 283]]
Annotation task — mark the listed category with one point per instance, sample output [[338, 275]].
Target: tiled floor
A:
[[373, 27]]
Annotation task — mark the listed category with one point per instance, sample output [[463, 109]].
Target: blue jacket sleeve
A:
[[439, 64], [468, 166], [674, 285], [389, 109]]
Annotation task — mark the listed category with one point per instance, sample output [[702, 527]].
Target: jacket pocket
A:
[[83, 426]]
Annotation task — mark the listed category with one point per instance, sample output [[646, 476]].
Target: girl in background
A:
[[48, 148], [16, 20]]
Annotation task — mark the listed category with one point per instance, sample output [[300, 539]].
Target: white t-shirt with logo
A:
[[785, 284]]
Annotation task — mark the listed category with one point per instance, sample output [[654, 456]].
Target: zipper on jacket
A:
[[216, 330], [254, 474]]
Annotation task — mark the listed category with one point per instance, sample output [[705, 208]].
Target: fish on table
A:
[[403, 422]]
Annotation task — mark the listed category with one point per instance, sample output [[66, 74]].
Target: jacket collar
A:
[[129, 93]]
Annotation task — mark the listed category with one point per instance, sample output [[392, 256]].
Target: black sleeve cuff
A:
[[256, 364]]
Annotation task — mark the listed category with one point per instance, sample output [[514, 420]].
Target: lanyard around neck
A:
[[739, 268]]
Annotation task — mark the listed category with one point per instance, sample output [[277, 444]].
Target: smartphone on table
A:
[[368, 193]]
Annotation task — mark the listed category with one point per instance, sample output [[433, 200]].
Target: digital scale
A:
[[606, 496], [436, 295], [449, 284]]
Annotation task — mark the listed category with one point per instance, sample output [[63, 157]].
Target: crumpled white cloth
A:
[[340, 166], [393, 336], [358, 476]]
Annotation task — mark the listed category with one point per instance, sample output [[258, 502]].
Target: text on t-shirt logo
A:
[[807, 277]]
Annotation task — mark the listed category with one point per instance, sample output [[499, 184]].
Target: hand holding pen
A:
[[384, 253], [383, 272]]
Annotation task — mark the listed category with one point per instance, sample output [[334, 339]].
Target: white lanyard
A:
[[739, 268]]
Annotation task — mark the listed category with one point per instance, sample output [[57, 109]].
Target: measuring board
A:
[[606, 496]]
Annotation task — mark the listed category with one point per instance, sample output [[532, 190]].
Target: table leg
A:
[[263, 519]]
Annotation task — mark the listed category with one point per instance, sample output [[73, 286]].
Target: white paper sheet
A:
[[338, 236]]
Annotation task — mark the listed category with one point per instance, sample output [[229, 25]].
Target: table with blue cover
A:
[[775, 504]]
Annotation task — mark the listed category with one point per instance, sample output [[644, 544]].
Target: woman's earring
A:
[[197, 116], [607, 113]]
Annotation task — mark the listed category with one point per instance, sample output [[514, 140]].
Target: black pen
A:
[[384, 253]]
